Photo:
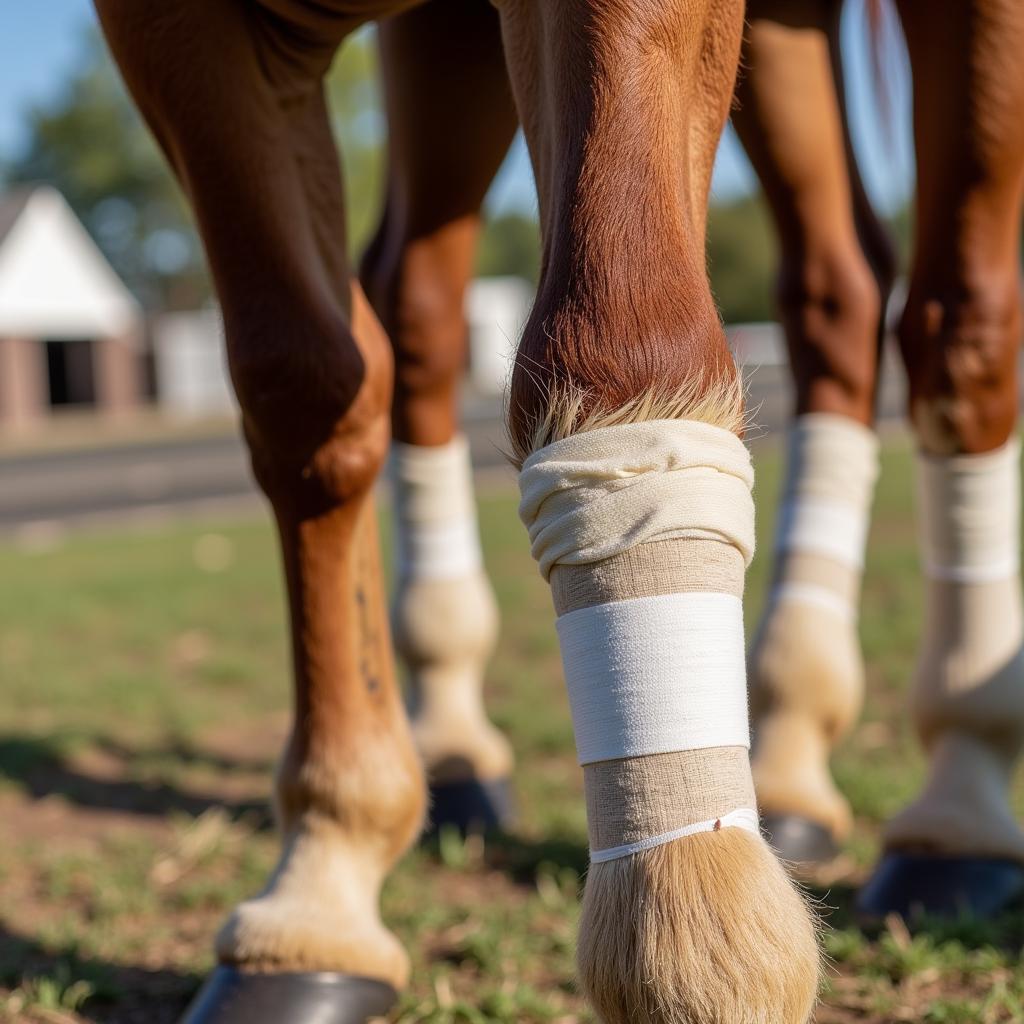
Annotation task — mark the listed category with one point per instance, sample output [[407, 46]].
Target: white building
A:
[[70, 331], [191, 370], [496, 308], [190, 364]]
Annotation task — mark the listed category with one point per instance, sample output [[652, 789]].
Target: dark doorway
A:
[[69, 368]]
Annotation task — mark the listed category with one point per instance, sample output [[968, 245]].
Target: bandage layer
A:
[[435, 515], [968, 697], [806, 671], [596, 494], [969, 508], [643, 531], [830, 476], [650, 675]]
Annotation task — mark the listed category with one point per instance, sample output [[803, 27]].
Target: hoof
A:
[[915, 885], [798, 840], [233, 997], [471, 806]]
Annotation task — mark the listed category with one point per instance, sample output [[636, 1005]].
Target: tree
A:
[[92, 146], [742, 259], [510, 244], [359, 125]]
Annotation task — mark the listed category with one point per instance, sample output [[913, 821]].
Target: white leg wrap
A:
[[968, 700], [444, 614], [807, 675], [435, 515], [624, 663], [969, 509], [831, 470], [643, 531]]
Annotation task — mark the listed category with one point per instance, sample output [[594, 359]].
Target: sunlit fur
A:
[[704, 930]]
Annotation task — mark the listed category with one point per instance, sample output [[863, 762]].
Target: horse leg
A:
[[451, 120], [234, 94], [807, 674], [957, 846], [623, 413]]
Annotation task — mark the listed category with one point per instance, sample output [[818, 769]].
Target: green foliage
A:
[[741, 259], [90, 143], [510, 244], [357, 119]]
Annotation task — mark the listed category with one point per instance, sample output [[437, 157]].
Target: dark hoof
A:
[[915, 885], [799, 840], [471, 806], [233, 997]]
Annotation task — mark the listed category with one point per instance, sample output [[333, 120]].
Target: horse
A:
[[625, 415], [837, 272], [956, 847]]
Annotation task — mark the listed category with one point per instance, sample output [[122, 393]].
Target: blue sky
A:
[[42, 39]]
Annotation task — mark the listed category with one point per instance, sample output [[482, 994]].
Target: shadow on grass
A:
[[836, 905], [519, 858], [522, 859], [187, 755], [40, 768], [98, 990]]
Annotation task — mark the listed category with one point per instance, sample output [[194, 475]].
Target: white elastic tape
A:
[[988, 573], [831, 467], [651, 675], [823, 526], [439, 551], [743, 817], [816, 596], [596, 494], [969, 510], [436, 533]]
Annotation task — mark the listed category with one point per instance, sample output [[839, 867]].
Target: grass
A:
[[144, 686]]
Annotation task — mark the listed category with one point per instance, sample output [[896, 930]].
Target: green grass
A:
[[144, 686]]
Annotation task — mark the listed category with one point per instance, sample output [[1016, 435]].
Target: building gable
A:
[[54, 281]]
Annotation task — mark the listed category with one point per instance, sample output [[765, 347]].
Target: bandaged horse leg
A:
[[623, 414], [957, 847], [806, 666], [450, 122], [806, 670], [247, 131], [445, 622], [643, 530]]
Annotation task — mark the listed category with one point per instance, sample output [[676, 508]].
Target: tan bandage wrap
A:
[[630, 799], [597, 494], [968, 697], [651, 512]]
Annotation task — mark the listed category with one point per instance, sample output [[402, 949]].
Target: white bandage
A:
[[436, 531], [830, 476], [968, 696], [816, 596], [652, 675], [969, 508], [596, 494], [743, 817]]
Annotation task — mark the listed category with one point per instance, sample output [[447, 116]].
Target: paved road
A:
[[41, 491], [52, 490]]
